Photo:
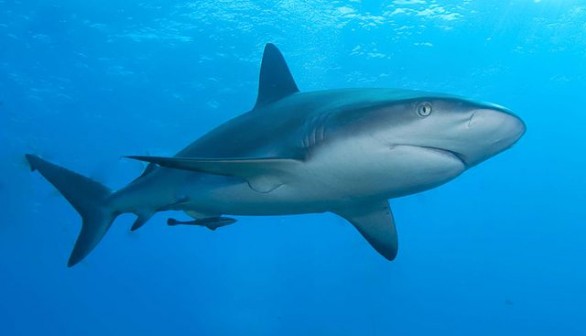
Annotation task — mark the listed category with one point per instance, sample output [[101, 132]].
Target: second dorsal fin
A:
[[275, 81]]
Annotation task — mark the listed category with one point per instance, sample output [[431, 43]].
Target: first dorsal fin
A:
[[275, 81]]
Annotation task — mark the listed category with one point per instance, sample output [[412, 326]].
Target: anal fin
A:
[[376, 224], [140, 221]]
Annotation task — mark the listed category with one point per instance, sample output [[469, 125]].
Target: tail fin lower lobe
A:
[[87, 196]]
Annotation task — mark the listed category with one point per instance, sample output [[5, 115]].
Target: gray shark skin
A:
[[342, 151]]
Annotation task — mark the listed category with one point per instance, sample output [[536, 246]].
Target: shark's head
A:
[[470, 131], [433, 138]]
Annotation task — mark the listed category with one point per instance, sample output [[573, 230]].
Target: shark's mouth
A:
[[448, 152], [442, 151]]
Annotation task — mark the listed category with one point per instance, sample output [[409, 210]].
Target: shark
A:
[[343, 151]]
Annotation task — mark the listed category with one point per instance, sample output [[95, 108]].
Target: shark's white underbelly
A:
[[330, 178]]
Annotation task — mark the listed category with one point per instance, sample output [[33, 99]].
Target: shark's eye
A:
[[424, 109]]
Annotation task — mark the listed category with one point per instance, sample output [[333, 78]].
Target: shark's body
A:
[[343, 151]]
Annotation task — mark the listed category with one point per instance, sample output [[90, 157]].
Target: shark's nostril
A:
[[471, 118]]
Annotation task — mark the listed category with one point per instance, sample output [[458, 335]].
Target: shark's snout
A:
[[505, 126], [493, 130]]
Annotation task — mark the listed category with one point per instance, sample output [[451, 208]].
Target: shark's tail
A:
[[88, 197]]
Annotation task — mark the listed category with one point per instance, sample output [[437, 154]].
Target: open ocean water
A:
[[501, 250]]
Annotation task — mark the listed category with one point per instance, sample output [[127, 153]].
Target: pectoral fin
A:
[[262, 174], [375, 222]]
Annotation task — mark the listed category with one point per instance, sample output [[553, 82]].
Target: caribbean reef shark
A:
[[343, 151]]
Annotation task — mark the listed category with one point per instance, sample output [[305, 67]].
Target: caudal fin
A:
[[88, 197]]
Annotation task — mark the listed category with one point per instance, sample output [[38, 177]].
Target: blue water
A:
[[499, 251]]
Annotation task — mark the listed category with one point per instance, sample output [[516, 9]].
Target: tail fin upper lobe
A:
[[88, 197]]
